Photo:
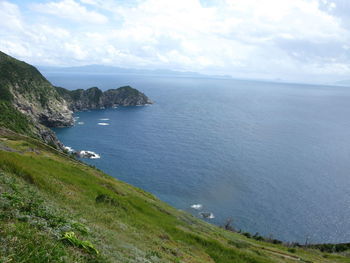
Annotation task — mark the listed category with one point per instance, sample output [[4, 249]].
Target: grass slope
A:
[[56, 209], [14, 120]]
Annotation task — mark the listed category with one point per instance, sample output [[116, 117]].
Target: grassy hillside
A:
[[14, 120], [20, 77], [56, 209]]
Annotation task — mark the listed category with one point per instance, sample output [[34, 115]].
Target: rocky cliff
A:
[[94, 98], [29, 104], [25, 90]]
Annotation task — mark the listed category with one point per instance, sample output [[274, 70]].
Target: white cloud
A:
[[10, 16], [72, 10], [241, 33], [245, 38], [12, 47], [76, 50], [89, 2], [296, 18]]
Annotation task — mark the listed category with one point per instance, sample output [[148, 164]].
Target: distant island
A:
[[101, 69]]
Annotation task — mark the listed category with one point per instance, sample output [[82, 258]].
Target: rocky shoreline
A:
[[94, 98], [27, 91]]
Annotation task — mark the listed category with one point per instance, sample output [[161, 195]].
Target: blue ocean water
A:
[[275, 157]]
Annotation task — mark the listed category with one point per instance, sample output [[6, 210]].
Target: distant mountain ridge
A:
[[345, 82], [102, 69]]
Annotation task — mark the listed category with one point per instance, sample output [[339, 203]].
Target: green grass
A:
[[31, 228], [5, 94], [56, 209], [86, 245], [14, 120]]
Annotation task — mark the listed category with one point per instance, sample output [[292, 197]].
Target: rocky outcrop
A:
[[124, 96], [94, 98], [39, 105], [31, 94], [52, 113]]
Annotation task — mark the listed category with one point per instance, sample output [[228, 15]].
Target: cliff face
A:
[[32, 94], [124, 96], [24, 89], [94, 98], [29, 104]]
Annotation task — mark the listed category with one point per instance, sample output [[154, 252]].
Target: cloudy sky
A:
[[301, 40]]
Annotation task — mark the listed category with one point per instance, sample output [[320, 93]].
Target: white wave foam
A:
[[69, 149], [197, 206], [89, 154], [102, 123], [104, 119], [207, 215], [81, 123]]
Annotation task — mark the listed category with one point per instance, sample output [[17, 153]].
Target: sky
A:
[[295, 40]]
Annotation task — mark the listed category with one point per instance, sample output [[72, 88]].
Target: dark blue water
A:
[[274, 157]]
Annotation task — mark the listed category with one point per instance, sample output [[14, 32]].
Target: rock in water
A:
[[207, 215], [88, 154]]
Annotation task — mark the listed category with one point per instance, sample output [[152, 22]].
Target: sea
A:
[[273, 157]]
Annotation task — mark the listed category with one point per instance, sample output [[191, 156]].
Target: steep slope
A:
[[94, 98], [56, 209], [29, 104], [33, 101]]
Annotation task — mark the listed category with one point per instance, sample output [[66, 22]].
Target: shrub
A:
[[104, 198], [292, 250], [248, 235], [86, 245]]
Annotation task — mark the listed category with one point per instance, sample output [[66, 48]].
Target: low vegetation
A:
[[54, 208], [24, 79], [14, 120]]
